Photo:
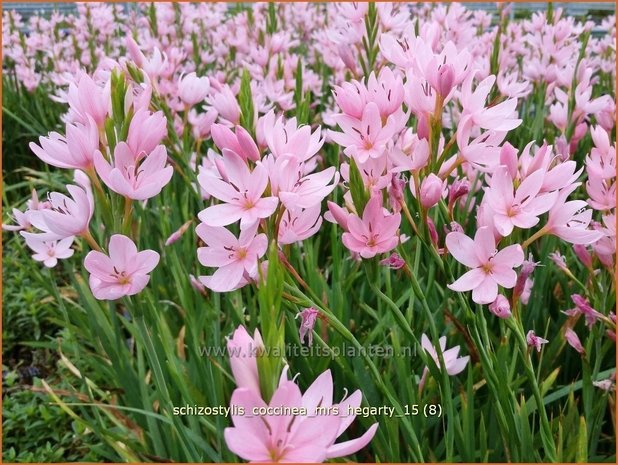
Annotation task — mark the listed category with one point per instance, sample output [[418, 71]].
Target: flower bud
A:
[[431, 191], [500, 307], [193, 89]]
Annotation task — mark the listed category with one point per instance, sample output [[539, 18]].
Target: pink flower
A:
[[226, 105], [123, 272], [569, 221], [137, 180], [288, 435], [500, 117], [375, 233], [308, 318], [241, 142], [75, 151], [66, 216], [452, 362], [573, 340], [235, 258], [299, 224], [522, 208], [294, 188], [367, 137], [49, 251], [535, 341], [86, 99], [193, 89], [286, 138], [490, 267], [146, 131], [241, 191], [243, 351]]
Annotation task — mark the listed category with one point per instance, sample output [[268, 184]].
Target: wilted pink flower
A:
[[523, 278], [124, 272], [490, 268], [457, 189], [452, 362], [500, 307], [522, 208], [235, 258], [193, 89], [559, 260], [394, 261], [75, 150], [308, 318], [137, 180], [299, 224], [66, 216], [573, 340], [373, 234], [49, 251], [243, 351], [535, 341], [242, 193], [287, 437], [583, 307]]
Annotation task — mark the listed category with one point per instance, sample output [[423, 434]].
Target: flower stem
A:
[[91, 241]]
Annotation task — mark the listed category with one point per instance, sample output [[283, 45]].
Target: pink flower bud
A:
[[178, 233], [573, 340], [583, 255], [500, 307], [431, 191], [446, 78]]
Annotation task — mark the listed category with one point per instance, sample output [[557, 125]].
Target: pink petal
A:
[[352, 446], [468, 281], [461, 247]]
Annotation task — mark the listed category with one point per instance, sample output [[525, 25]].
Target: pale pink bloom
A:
[[299, 224], [75, 150], [483, 151], [500, 117], [602, 194], [394, 261], [21, 219], [124, 272], [294, 188], [535, 341], [452, 362], [365, 138], [573, 339], [500, 307], [386, 91], [50, 251], [226, 105], [569, 220], [351, 98], [146, 131], [375, 233], [137, 180], [373, 171], [86, 98], [308, 317], [178, 233], [300, 438], [431, 191], [193, 89], [490, 267], [521, 208], [241, 191], [601, 163], [234, 258], [66, 216], [243, 350], [240, 142], [287, 138]]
